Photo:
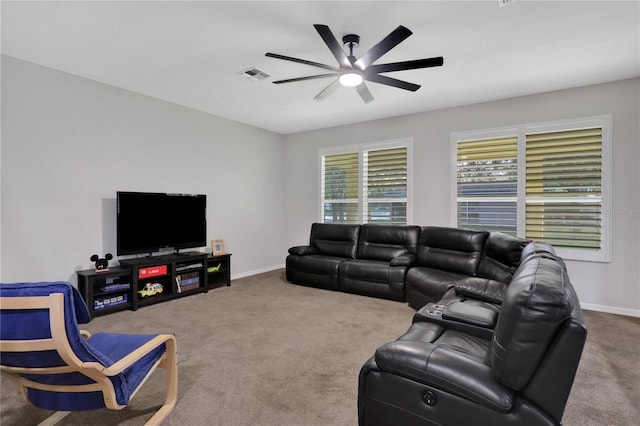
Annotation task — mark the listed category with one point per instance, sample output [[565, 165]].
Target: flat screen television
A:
[[149, 221]]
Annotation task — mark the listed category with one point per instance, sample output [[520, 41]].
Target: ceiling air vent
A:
[[254, 74]]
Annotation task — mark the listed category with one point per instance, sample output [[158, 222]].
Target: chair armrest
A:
[[404, 260], [470, 314], [446, 369], [303, 250], [124, 363], [482, 289]]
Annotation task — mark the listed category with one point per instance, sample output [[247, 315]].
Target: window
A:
[[487, 176], [545, 182], [340, 188], [564, 188], [366, 184]]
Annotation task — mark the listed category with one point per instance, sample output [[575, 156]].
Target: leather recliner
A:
[[519, 373], [385, 253], [316, 264], [500, 259], [444, 256]]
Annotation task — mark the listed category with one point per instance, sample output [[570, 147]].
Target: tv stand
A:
[[143, 281]]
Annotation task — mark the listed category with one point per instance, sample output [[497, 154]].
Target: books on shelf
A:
[[187, 281]]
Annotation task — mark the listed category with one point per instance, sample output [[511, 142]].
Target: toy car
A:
[[151, 289]]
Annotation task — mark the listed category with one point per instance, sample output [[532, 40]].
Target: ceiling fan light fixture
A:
[[351, 78]]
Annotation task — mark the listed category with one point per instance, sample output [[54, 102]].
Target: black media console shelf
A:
[[218, 271], [144, 281], [106, 292]]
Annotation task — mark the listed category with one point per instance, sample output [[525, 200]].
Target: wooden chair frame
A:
[[96, 371]]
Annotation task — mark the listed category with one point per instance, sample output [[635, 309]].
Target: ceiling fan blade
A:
[[327, 90], [309, 77], [383, 79], [386, 44], [407, 65], [302, 61], [333, 45], [364, 92]]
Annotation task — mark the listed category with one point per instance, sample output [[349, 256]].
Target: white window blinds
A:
[[487, 184], [340, 188], [564, 188], [385, 186]]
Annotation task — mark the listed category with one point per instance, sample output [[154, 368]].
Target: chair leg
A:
[[170, 363], [54, 418]]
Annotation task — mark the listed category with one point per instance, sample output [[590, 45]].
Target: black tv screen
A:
[[150, 221]]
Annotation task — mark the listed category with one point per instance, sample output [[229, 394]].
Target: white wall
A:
[[68, 144], [613, 287]]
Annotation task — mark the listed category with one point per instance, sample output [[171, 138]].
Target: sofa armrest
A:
[[303, 250], [404, 260], [446, 369], [482, 289], [470, 314]]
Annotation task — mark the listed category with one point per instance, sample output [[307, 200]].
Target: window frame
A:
[[360, 149], [520, 132]]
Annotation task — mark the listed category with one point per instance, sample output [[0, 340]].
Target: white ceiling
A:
[[191, 53]]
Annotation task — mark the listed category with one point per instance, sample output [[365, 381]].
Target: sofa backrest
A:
[[451, 249], [537, 248], [332, 239], [384, 242], [538, 301], [501, 257]]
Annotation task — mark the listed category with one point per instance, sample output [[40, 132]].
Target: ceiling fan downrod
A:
[[351, 40]]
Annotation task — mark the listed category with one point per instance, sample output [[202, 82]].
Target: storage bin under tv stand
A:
[[153, 279]]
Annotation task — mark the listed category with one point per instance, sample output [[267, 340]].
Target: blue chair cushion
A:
[[104, 348]]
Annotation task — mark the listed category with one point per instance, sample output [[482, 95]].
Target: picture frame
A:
[[217, 247]]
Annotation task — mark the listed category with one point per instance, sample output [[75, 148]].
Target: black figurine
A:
[[101, 263]]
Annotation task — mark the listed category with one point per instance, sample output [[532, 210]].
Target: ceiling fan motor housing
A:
[[351, 40]]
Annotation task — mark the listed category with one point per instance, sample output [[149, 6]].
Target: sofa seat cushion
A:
[[373, 270], [372, 278], [433, 333], [314, 270], [424, 285]]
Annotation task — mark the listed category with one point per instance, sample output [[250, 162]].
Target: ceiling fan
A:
[[353, 72]]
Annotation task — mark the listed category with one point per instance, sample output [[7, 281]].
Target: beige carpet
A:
[[265, 352]]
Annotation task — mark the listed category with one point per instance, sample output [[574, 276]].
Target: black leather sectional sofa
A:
[[404, 263], [497, 336]]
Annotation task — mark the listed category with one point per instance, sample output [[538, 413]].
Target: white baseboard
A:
[[257, 271], [611, 309]]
